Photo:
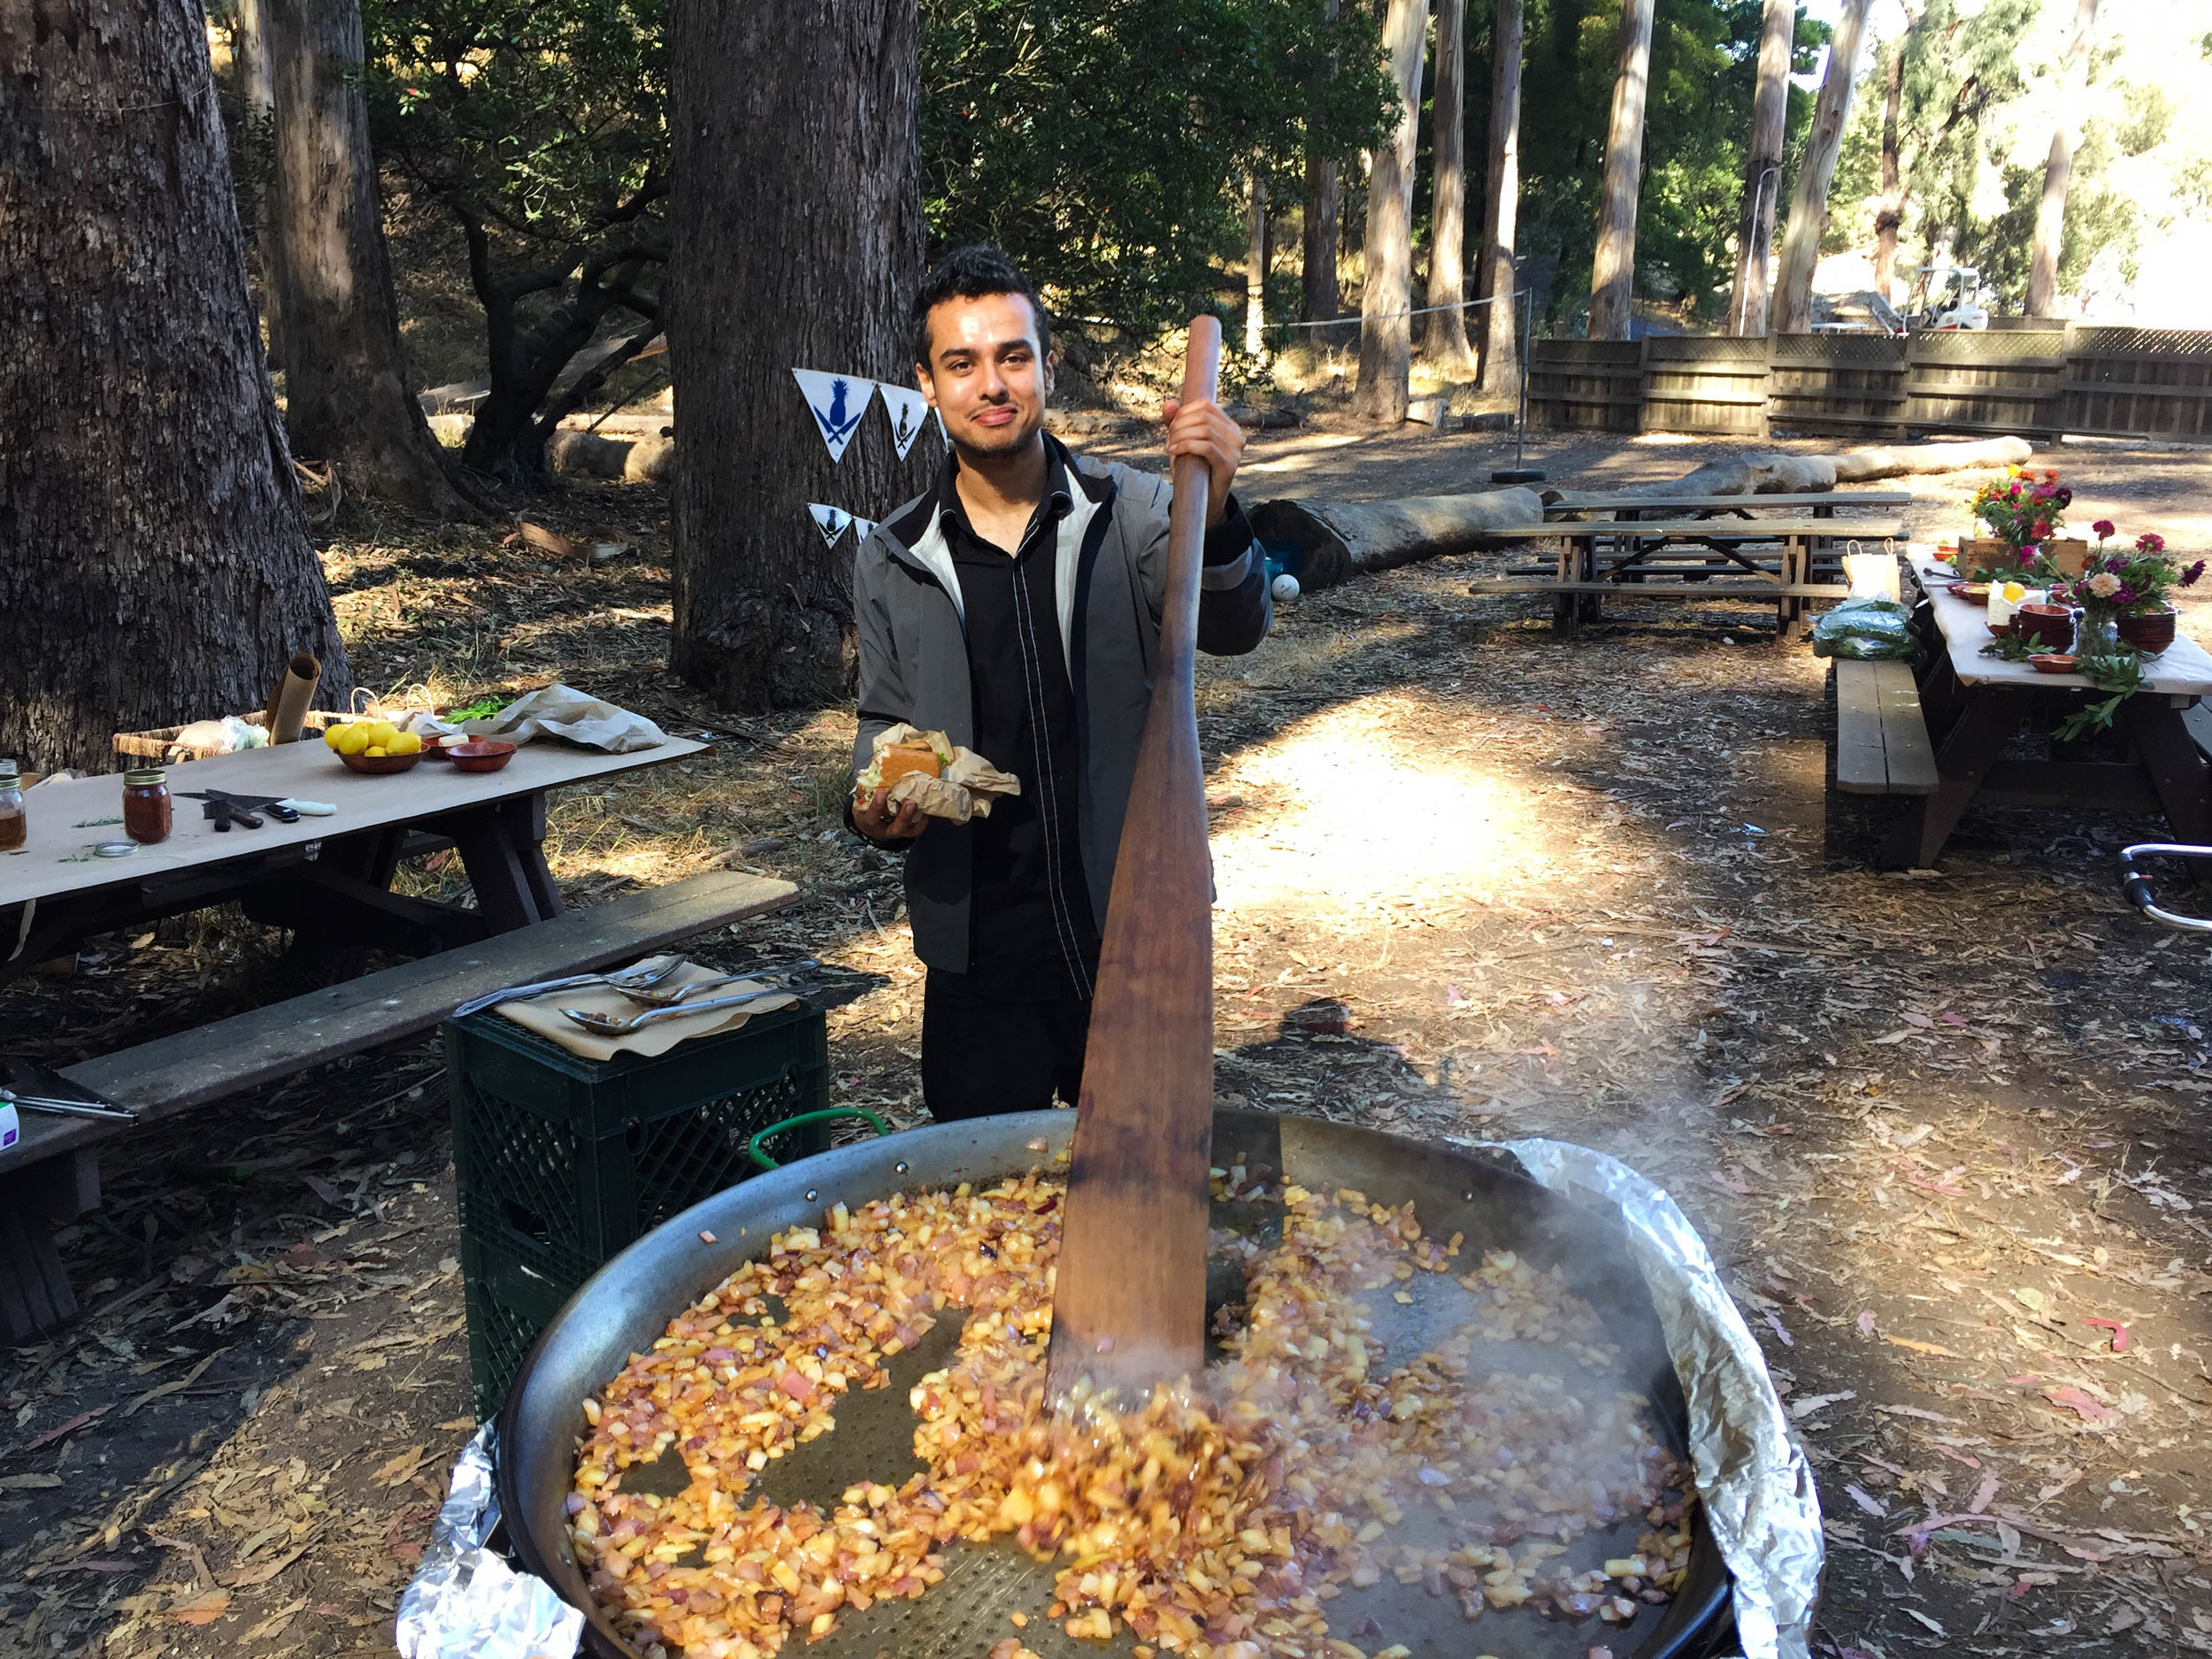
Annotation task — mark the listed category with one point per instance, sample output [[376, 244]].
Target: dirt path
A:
[[1944, 1132]]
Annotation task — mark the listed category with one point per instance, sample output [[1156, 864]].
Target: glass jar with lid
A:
[[147, 813], [14, 827]]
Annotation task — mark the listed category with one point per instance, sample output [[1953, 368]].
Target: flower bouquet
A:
[[2124, 595], [2025, 511]]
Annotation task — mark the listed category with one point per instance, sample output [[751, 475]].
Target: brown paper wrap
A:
[[969, 786]]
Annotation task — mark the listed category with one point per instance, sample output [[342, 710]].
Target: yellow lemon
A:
[[332, 735], [383, 731], [374, 751], [405, 743], [2015, 593], [353, 739]]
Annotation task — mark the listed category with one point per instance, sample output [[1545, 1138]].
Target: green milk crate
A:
[[561, 1161]]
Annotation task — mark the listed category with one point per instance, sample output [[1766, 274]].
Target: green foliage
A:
[[1105, 143], [1697, 123]]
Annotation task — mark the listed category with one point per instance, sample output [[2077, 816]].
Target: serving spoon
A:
[[625, 979], [614, 1026], [683, 994]]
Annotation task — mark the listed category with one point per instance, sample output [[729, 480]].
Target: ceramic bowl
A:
[[378, 765], [1974, 593], [480, 756], [2052, 662]]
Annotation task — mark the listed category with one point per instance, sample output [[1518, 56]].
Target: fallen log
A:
[[588, 455], [1771, 472], [1338, 540]]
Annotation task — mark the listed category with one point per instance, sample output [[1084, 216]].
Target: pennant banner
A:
[[908, 411], [837, 402], [831, 521], [863, 528]]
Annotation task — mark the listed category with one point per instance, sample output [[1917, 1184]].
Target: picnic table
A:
[[1601, 556], [328, 879], [1820, 503], [1964, 711]]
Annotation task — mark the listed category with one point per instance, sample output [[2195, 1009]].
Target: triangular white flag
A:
[[831, 521], [862, 529], [909, 410], [837, 402]]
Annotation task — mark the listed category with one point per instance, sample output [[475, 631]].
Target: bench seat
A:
[[1882, 745], [49, 1174]]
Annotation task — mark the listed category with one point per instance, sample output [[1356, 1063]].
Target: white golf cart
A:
[[1947, 297]]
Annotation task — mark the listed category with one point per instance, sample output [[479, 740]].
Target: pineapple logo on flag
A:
[[831, 521], [837, 402], [908, 411]]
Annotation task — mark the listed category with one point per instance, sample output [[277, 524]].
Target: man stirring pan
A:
[[1015, 607]]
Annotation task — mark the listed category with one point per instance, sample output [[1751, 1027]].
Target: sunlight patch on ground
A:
[[1357, 807]]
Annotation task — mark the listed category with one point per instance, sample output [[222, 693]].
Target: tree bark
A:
[[154, 561], [1385, 335], [1255, 269], [1613, 271], [347, 396], [1891, 215], [798, 243], [1446, 337], [1808, 200], [1500, 358], [256, 103], [1763, 167], [1325, 199], [1338, 540], [2058, 170]]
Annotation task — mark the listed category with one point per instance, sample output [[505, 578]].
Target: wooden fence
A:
[[2038, 382]]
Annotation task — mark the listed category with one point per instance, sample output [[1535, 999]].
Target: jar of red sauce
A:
[[146, 814]]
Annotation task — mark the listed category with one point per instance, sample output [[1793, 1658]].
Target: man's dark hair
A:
[[971, 273]]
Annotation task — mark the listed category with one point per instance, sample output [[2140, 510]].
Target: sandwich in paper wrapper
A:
[[928, 769]]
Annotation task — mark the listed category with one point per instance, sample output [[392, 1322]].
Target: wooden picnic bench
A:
[[1941, 736], [50, 1176], [1820, 503], [1646, 555]]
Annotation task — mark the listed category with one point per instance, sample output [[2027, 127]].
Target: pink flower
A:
[[2103, 527], [2150, 542], [2042, 531], [2104, 584]]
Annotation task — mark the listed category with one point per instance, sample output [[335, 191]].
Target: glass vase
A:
[[2099, 635]]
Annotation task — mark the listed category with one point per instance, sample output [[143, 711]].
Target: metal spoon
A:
[[610, 1025], [684, 992], [638, 978]]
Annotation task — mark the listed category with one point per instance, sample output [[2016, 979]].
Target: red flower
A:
[[2150, 542], [2103, 527], [2050, 476], [2042, 531]]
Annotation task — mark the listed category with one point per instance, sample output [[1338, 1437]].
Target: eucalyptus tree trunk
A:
[[1613, 271], [1255, 269], [1809, 199], [1890, 216], [1324, 199], [154, 561], [256, 103], [798, 244], [1762, 168], [1386, 336], [1500, 359], [1447, 336], [347, 399], [2058, 168]]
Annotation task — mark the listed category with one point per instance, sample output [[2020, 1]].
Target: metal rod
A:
[[66, 1107]]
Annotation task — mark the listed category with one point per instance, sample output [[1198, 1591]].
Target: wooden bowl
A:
[[484, 754], [2053, 663], [380, 765], [431, 749], [1973, 593]]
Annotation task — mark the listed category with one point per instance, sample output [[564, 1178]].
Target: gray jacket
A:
[[1110, 578]]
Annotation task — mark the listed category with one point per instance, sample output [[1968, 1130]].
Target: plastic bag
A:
[[1867, 631]]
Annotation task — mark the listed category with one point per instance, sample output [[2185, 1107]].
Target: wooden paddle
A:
[[1129, 1307]]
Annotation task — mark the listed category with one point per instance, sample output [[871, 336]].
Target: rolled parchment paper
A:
[[288, 709]]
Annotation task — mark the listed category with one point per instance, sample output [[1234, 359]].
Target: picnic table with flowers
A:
[[2053, 673]]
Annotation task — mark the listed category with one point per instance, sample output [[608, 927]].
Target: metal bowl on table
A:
[[627, 1304]]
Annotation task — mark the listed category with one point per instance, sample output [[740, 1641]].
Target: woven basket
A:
[[161, 743]]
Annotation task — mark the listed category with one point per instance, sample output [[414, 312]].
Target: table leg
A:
[[35, 1293], [525, 824], [501, 846], [2170, 756], [1963, 761]]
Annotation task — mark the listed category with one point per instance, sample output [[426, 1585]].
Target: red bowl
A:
[[380, 765], [481, 755], [2053, 663]]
